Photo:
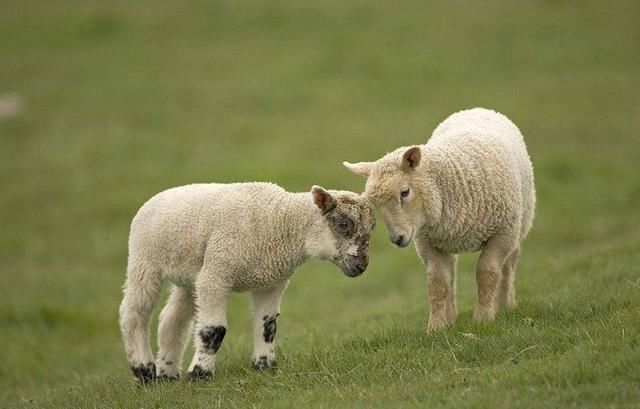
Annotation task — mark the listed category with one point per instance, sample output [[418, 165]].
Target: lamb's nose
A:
[[398, 240]]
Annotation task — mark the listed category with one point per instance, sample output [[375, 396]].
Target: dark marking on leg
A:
[[270, 326], [163, 377], [168, 362], [198, 374], [212, 338], [167, 378], [262, 363], [145, 373]]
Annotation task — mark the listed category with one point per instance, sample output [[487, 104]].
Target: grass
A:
[[124, 99]]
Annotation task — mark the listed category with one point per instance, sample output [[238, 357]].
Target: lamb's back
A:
[[176, 225], [479, 160]]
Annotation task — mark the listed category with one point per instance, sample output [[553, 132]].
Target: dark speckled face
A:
[[351, 222]]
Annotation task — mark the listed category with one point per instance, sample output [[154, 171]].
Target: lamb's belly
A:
[[184, 274], [459, 242], [455, 247], [182, 267], [186, 280], [259, 280]]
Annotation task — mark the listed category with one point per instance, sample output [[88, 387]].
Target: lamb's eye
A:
[[343, 225], [404, 192]]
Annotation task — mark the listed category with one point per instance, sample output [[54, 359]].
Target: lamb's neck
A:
[[430, 194], [315, 231]]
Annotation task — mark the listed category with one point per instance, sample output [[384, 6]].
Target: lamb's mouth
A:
[[352, 269], [404, 242]]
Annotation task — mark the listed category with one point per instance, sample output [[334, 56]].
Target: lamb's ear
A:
[[411, 158], [323, 199], [360, 168]]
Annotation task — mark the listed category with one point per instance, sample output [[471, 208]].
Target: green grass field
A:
[[125, 99]]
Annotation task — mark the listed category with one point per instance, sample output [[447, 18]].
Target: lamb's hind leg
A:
[[266, 309], [141, 293], [440, 284], [211, 326], [173, 329], [452, 309], [507, 291], [489, 274]]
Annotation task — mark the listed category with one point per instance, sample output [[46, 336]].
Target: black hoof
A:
[[163, 376], [167, 378], [262, 363], [199, 374], [145, 373]]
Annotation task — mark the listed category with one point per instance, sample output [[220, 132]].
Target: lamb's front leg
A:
[[441, 271], [211, 327], [266, 307]]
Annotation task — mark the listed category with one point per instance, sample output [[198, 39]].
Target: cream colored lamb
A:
[[209, 240], [469, 188]]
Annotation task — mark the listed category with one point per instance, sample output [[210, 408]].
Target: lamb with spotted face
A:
[[209, 240], [469, 188]]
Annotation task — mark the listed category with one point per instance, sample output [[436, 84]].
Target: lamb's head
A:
[[350, 219], [395, 189]]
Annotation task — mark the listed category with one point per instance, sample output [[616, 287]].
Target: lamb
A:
[[469, 188], [209, 240]]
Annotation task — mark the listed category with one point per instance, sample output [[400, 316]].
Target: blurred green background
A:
[[103, 104]]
